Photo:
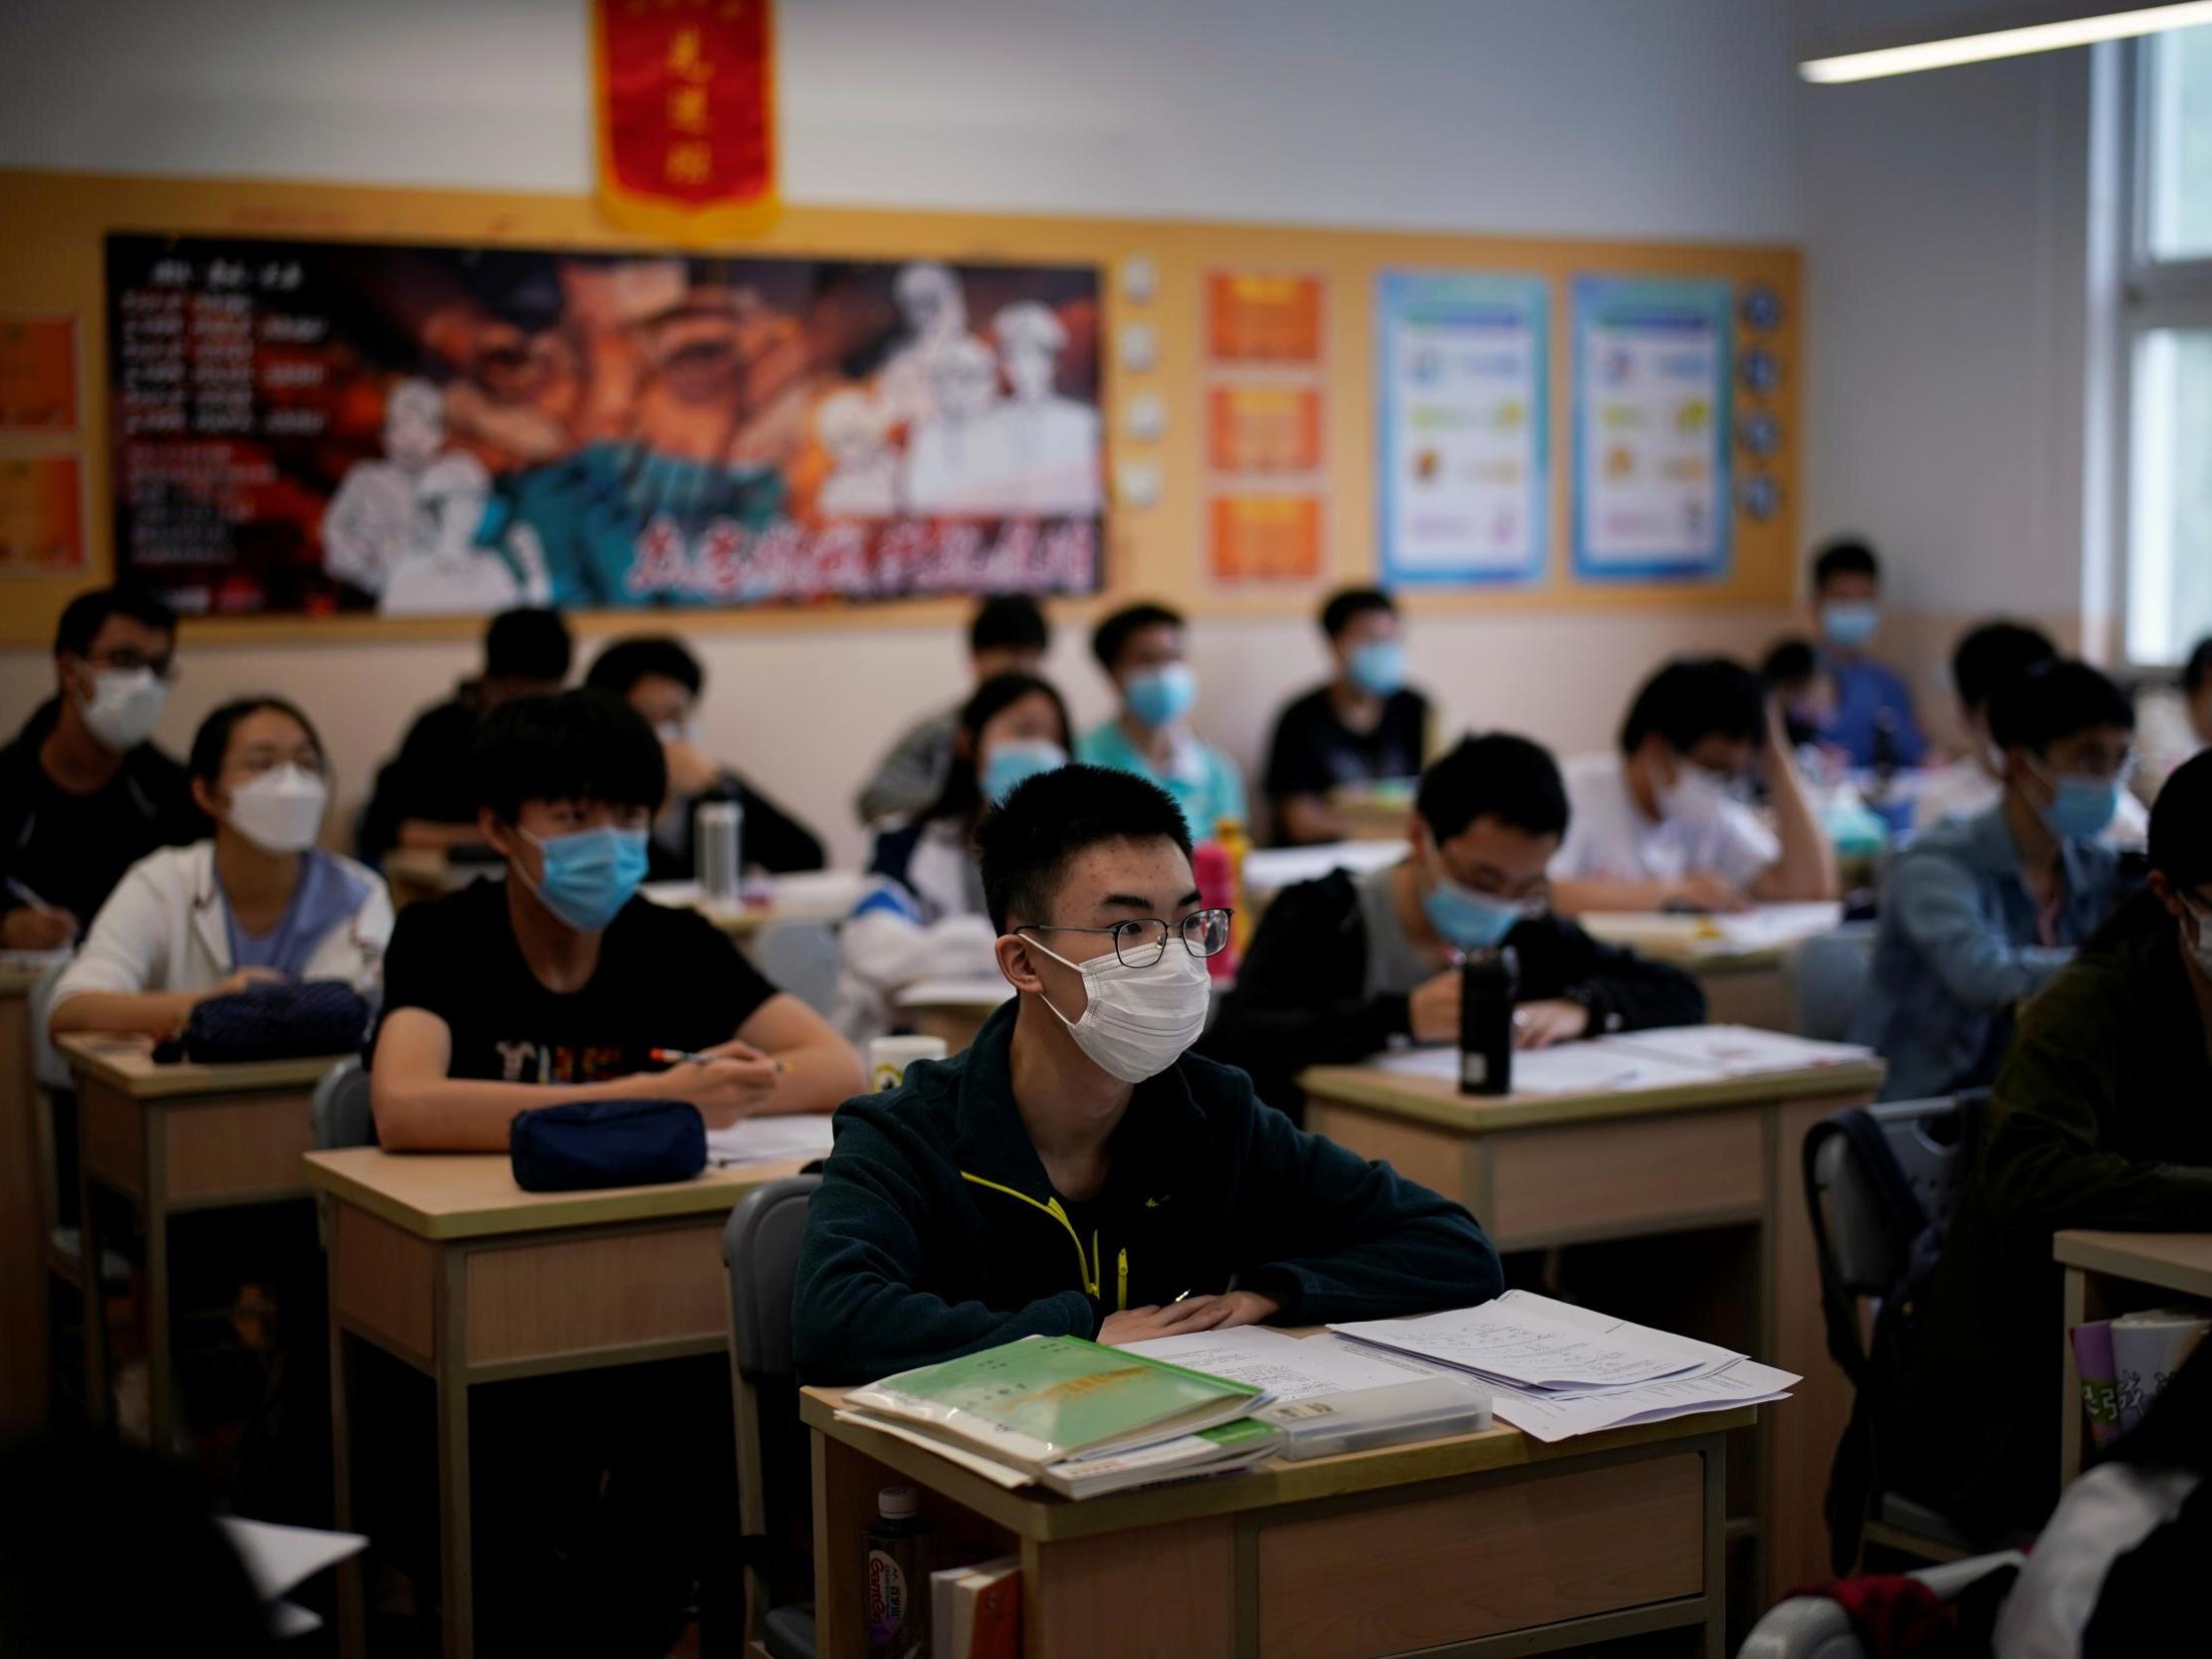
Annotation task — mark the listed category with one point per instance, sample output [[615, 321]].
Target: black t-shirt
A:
[[1314, 751], [666, 978]]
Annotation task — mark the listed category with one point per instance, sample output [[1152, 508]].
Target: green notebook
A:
[[1034, 1402]]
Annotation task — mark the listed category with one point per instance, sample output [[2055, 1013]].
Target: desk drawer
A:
[[601, 1290], [1617, 1180], [1404, 1577]]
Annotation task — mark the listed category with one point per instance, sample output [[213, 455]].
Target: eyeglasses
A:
[[1143, 942]]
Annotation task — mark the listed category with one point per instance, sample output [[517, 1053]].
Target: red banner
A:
[[686, 115]]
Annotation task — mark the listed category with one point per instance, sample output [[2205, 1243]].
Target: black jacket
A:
[[429, 778], [1300, 998], [769, 838], [937, 1233]]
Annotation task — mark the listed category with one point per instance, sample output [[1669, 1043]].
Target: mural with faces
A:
[[314, 427]]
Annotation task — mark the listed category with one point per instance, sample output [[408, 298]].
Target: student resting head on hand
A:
[[1342, 965], [560, 982], [1077, 1171], [259, 901]]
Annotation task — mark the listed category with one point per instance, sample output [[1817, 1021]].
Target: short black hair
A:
[[1029, 841], [1347, 605], [1847, 558], [2054, 699], [1696, 698], [2182, 823], [575, 745], [1114, 633], [1494, 775], [84, 616], [625, 662], [963, 789], [212, 740], [1792, 662], [1008, 622], [528, 644], [1995, 653], [2198, 667]]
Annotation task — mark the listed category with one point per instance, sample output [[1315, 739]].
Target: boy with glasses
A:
[[1077, 1172], [1343, 966], [1979, 913], [83, 794]]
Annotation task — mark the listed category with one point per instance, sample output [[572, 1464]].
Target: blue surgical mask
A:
[[590, 875], [1468, 920], [1009, 765], [2081, 809], [1377, 667], [1848, 622], [1161, 696]]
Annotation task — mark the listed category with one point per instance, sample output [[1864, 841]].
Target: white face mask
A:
[[280, 811], [125, 705], [1694, 796], [1139, 1020]]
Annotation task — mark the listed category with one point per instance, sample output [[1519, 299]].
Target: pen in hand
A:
[[685, 1057]]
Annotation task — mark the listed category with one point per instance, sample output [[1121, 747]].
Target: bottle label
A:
[[886, 1598]]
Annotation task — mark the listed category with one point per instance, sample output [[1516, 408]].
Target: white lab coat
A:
[[163, 929]]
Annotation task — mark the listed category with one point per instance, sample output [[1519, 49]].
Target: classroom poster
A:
[[1651, 371], [1464, 482], [314, 427], [38, 372], [41, 515], [1266, 396]]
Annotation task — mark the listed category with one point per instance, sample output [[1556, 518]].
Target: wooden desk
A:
[[2117, 1273], [26, 1208], [172, 1138], [1493, 1542], [1374, 812], [950, 1010], [446, 1264], [1552, 1170]]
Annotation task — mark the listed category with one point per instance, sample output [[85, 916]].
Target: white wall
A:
[[1665, 118]]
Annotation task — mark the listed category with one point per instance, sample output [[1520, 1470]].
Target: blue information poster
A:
[[1651, 465], [1462, 367]]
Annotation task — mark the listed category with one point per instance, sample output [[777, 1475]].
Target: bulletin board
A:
[[1237, 386]]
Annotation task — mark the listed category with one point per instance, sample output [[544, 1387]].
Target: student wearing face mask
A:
[[1341, 966], [1979, 913], [1077, 1171], [1365, 726], [559, 982], [924, 915], [258, 901], [662, 680], [83, 794], [1873, 722], [1144, 649], [1665, 824], [2097, 1119]]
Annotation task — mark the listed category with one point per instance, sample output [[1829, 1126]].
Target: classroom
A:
[[1507, 703]]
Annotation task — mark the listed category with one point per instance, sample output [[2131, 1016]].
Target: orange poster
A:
[[1272, 538], [38, 373], [1256, 319], [1264, 428], [42, 517]]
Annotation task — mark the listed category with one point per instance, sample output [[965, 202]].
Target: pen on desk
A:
[[29, 897], [685, 1057]]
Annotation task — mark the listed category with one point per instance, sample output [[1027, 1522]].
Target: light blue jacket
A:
[[1958, 948]]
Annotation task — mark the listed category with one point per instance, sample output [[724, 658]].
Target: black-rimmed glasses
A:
[[1142, 941]]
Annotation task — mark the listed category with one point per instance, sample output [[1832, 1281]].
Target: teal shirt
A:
[[1204, 781]]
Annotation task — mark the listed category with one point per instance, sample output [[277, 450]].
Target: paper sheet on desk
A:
[[1272, 869], [1565, 1069], [1777, 924], [34, 962], [1290, 1368], [952, 993], [1555, 1417], [1523, 1342], [1731, 1049], [786, 1137]]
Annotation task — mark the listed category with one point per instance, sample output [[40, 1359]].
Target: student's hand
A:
[[1247, 1308], [1552, 1020], [1432, 1011], [689, 771], [245, 980], [724, 1089], [1178, 1319], [1704, 890], [36, 930]]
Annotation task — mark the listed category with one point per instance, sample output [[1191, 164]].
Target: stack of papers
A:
[[1557, 1371], [784, 1138], [1269, 869], [1767, 927], [1641, 1060]]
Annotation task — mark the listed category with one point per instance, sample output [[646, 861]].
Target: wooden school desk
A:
[[443, 1262], [1744, 985], [26, 1207], [2119, 1273], [1490, 1543], [169, 1139], [1548, 1170]]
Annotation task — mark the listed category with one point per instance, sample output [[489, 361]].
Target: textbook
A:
[[1217, 1451], [975, 1611], [1030, 1404]]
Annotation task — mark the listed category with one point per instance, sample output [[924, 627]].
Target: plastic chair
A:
[[1880, 1182], [801, 957], [1814, 1627], [341, 1112], [760, 1248], [1828, 976]]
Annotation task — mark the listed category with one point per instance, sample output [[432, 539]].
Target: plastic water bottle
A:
[[717, 836], [1487, 983], [901, 1556]]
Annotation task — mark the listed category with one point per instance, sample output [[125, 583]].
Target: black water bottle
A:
[[1487, 983]]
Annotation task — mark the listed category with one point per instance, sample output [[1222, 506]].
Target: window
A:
[[2169, 324]]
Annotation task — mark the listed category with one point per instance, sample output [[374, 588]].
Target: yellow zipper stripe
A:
[[1121, 1289], [1083, 1270]]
